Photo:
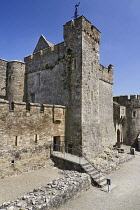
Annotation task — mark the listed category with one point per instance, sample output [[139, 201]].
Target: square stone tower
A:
[[82, 42], [70, 74]]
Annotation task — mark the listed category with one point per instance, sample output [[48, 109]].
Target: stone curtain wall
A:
[[25, 130], [53, 194], [21, 160], [45, 77]]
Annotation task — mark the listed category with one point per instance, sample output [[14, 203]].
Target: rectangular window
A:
[[11, 106], [91, 66], [91, 95], [33, 97], [134, 113], [16, 139], [74, 64], [36, 138], [38, 79]]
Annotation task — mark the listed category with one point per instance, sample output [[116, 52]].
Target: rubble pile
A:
[[52, 195]]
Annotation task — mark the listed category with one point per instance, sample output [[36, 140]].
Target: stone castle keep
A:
[[60, 94]]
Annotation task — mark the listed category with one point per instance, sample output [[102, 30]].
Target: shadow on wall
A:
[[136, 143]]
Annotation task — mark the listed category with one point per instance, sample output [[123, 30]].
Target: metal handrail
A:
[[90, 162], [65, 149]]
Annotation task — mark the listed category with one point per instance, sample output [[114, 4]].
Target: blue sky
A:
[[23, 21]]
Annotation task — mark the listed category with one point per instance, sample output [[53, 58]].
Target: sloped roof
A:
[[42, 44]]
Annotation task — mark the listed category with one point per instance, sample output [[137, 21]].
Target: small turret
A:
[[110, 68], [15, 81]]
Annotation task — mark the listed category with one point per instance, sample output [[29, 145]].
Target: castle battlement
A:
[[16, 61], [80, 26], [50, 57], [124, 100], [30, 107], [106, 74], [1, 60], [46, 51], [87, 27]]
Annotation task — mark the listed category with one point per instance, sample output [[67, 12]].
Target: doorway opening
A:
[[118, 136], [56, 143]]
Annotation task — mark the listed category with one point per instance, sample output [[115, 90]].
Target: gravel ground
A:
[[125, 196], [15, 186]]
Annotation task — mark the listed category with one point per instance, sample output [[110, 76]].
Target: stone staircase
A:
[[96, 176]]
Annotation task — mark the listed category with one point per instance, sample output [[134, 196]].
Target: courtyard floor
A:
[[125, 196], [15, 186]]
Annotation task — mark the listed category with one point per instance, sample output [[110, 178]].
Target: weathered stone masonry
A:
[[127, 118], [53, 195], [26, 134], [70, 74]]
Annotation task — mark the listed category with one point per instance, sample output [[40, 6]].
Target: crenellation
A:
[[132, 97]]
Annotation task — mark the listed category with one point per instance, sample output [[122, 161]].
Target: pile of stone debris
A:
[[111, 159], [53, 194]]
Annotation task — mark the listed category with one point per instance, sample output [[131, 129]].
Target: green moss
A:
[[49, 67]]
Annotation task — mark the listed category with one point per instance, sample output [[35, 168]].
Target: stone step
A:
[[102, 178], [85, 164], [95, 176], [92, 171], [103, 183], [89, 169]]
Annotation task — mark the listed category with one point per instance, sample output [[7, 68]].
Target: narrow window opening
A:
[[33, 97], [11, 106], [36, 138], [75, 64], [42, 108], [28, 106], [38, 79], [134, 113], [91, 95], [92, 67], [16, 141]]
